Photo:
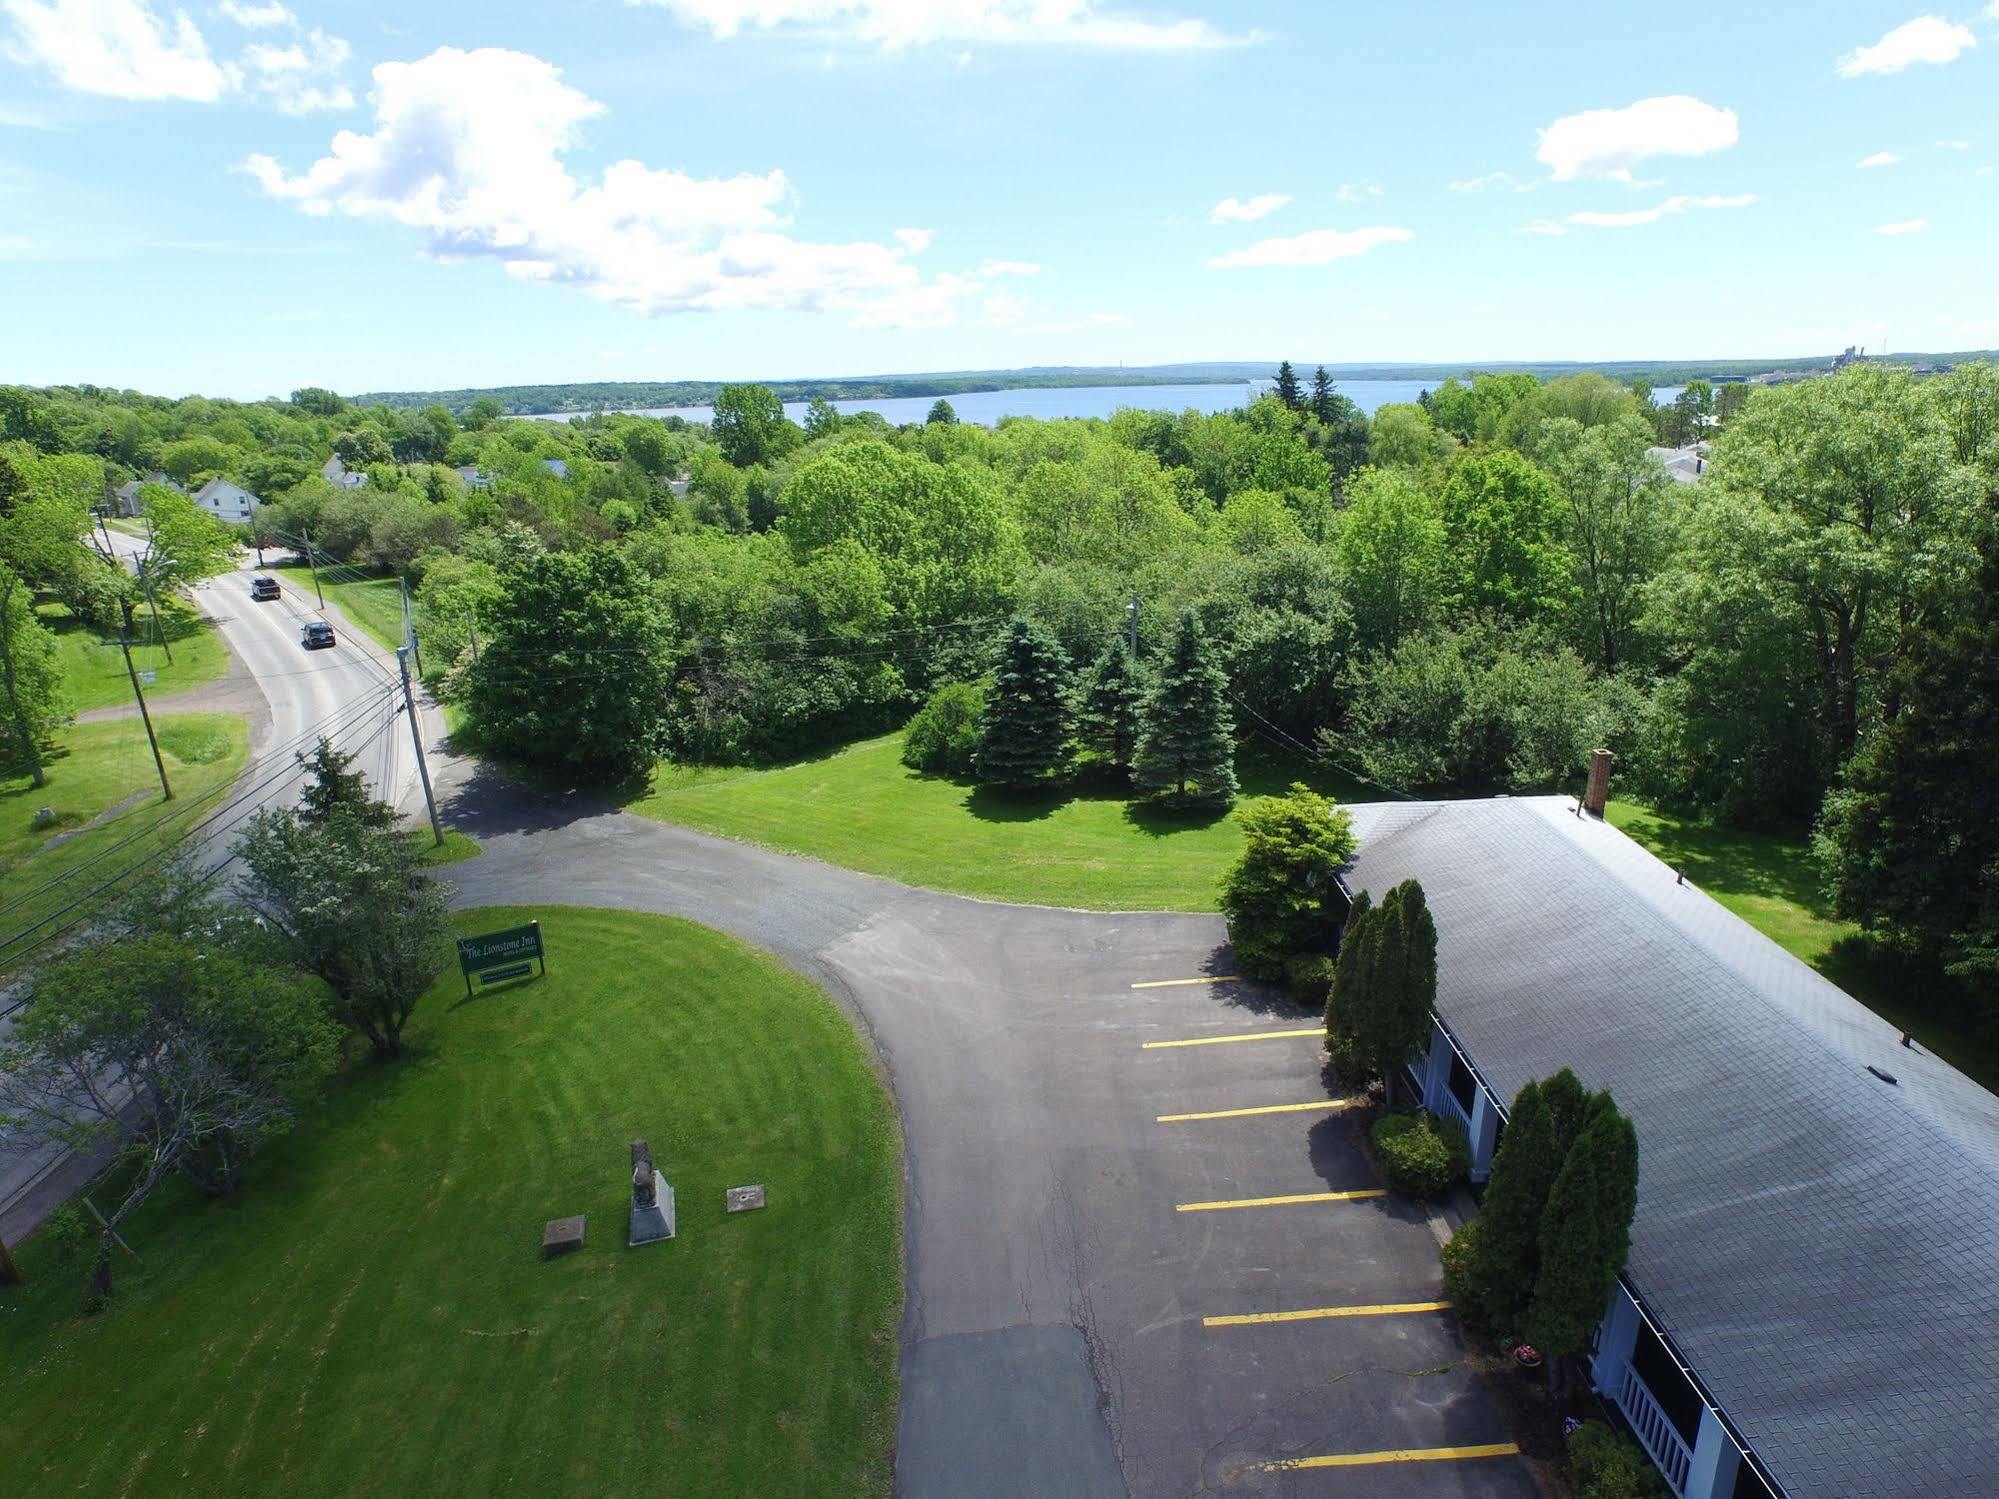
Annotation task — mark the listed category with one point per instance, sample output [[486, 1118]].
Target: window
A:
[[1669, 1385], [1464, 1087]]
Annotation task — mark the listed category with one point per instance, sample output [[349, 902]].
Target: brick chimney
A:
[[1599, 782]]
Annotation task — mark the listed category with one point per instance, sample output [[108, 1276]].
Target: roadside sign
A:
[[147, 678], [497, 957]]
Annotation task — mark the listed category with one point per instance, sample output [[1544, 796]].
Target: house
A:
[[557, 466], [125, 498], [1811, 1304], [474, 477], [225, 501], [340, 476], [1683, 465]]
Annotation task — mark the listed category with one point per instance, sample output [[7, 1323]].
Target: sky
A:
[[244, 197]]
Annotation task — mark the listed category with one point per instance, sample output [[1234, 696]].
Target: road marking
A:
[[1323, 1106], [1313, 1314], [1220, 978], [1316, 1030], [1273, 1202], [1394, 1455]]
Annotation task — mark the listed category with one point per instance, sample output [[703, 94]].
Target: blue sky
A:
[[241, 197]]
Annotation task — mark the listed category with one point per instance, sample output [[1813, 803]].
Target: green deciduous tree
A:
[[1503, 538], [1282, 895], [1024, 738], [1112, 705], [185, 544], [750, 425], [31, 672], [575, 676], [1390, 544], [1186, 742], [1621, 523], [943, 738]]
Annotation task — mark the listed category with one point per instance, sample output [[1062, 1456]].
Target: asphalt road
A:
[[1053, 1339]]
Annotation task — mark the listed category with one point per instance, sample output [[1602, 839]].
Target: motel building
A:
[[1811, 1305]]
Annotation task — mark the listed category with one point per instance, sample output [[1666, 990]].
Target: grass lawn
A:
[[93, 667], [455, 849], [1772, 882], [1087, 847], [370, 1315], [375, 604], [99, 767]]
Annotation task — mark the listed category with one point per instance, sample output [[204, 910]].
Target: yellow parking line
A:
[[1273, 1202], [1394, 1455], [1245, 1036], [1313, 1314], [1220, 978], [1323, 1106]]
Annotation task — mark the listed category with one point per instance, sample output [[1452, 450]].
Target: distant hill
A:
[[614, 395]]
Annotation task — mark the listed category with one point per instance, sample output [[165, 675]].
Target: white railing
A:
[[1656, 1433], [1448, 1107]]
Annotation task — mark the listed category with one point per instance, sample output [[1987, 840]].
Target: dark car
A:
[[318, 635], [263, 588]]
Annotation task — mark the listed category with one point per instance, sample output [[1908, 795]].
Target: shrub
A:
[[1420, 1154], [943, 738], [68, 1236], [1606, 1464], [1463, 1286], [1310, 975]]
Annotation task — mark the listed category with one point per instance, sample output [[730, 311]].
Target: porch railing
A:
[[1655, 1431]]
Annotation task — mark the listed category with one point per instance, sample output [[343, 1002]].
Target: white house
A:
[[340, 476], [225, 501], [1682, 465], [1811, 1304]]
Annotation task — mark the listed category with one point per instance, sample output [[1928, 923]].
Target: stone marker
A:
[[652, 1199], [561, 1235], [746, 1199]]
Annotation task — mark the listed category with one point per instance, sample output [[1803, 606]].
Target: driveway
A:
[[1069, 1233]]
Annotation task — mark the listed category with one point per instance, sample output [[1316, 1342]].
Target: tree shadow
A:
[[1162, 819], [1005, 804], [1737, 861]]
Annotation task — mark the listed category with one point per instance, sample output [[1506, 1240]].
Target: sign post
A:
[[498, 957]]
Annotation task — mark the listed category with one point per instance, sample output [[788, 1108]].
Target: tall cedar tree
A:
[[1280, 895], [1384, 992], [1108, 718], [1348, 974], [1025, 738], [1506, 1257], [1322, 394], [1186, 744], [1404, 1028], [575, 676], [1286, 388], [1911, 835], [1585, 1232], [332, 790]]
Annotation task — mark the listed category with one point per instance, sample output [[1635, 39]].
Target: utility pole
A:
[[409, 627], [125, 644], [1131, 625], [315, 570], [416, 738], [146, 582]]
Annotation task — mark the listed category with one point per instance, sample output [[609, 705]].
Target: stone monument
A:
[[652, 1199]]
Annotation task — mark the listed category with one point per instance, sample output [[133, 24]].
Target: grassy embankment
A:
[[105, 770], [93, 667], [373, 604], [371, 1315]]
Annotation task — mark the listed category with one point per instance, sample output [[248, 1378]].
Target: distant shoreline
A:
[[577, 398]]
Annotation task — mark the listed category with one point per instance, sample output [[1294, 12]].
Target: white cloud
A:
[[123, 48], [1878, 159], [300, 77], [916, 241], [1985, 171], [1490, 179], [256, 17], [1953, 145], [1007, 268], [1610, 142], [907, 23], [1925, 39], [1247, 210], [1357, 192], [1631, 218], [468, 147], [1316, 247], [1907, 226]]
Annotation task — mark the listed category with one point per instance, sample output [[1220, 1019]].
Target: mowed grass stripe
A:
[[753, 1354]]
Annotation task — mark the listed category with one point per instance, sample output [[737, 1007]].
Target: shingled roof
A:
[[1822, 1245]]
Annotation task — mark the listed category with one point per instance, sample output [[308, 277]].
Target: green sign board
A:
[[496, 957]]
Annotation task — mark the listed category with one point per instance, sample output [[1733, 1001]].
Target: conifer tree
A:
[[1025, 736], [1322, 394], [1108, 718], [1573, 1284], [1286, 388], [1350, 967], [1186, 741], [333, 790]]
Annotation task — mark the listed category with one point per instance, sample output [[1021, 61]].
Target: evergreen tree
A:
[[1322, 394], [1572, 1288], [1287, 386], [1186, 742], [1402, 1020], [941, 414], [335, 791], [1108, 719], [1350, 968], [1276, 894], [1025, 736]]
